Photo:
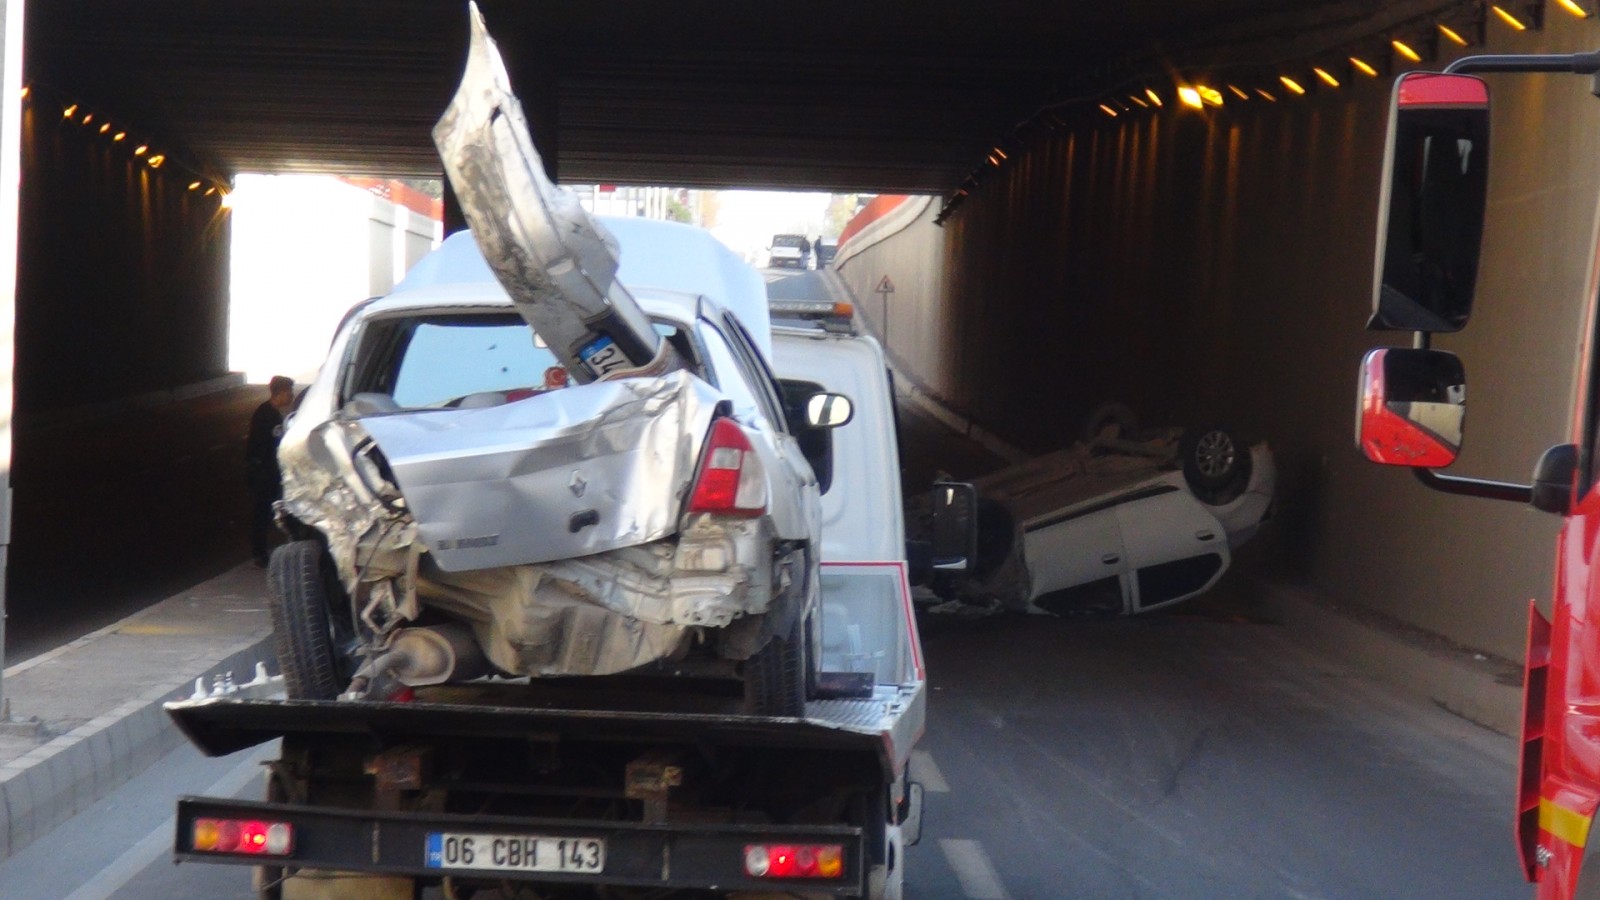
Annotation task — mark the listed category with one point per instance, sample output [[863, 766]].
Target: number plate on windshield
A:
[[515, 853]]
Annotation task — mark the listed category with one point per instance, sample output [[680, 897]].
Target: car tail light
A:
[[730, 481], [794, 860], [251, 836]]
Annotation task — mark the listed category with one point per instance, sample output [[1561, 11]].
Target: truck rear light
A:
[[794, 860], [730, 481], [251, 836]]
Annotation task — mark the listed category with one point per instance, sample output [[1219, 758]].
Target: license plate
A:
[[515, 852], [602, 355]]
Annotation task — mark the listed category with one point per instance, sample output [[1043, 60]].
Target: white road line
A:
[[150, 848], [926, 771], [979, 880]]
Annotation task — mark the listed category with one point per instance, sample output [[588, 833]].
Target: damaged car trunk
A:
[[528, 462]]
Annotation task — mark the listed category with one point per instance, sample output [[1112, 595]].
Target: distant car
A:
[[1120, 526], [826, 248], [788, 251]]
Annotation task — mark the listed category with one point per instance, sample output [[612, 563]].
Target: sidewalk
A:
[[87, 716]]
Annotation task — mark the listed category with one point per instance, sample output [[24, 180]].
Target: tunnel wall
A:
[[122, 272], [1217, 268]]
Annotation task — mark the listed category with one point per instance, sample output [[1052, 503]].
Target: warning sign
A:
[[885, 286]]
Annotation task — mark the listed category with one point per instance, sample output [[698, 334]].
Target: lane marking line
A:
[[140, 856], [979, 880], [926, 771]]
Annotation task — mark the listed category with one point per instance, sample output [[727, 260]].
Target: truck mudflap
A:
[[434, 845], [220, 726]]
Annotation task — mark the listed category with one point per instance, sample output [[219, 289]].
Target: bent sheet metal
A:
[[557, 263]]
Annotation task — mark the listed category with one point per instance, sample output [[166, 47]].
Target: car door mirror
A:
[[828, 410], [1413, 407], [1554, 479], [1430, 214], [955, 526]]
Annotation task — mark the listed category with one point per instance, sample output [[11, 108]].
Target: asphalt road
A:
[[1167, 757], [1193, 755]]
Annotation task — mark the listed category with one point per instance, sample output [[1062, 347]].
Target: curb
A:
[[1480, 688], [51, 783]]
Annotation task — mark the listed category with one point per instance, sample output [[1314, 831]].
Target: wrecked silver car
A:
[[557, 450]]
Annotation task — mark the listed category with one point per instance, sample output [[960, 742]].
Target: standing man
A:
[[261, 462]]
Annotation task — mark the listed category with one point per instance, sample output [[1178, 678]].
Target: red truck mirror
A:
[[1413, 406], [1430, 214]]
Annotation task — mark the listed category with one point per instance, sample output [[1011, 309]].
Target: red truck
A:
[[1411, 410]]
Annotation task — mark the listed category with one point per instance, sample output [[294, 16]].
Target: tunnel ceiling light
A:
[[1363, 67], [156, 160], [1138, 101], [1000, 153], [1568, 5], [1210, 95], [1266, 95], [105, 128], [119, 136], [1190, 97], [211, 190], [1154, 97], [26, 91], [87, 118], [1294, 86], [1238, 92], [993, 161], [227, 200], [1326, 76], [1108, 110], [194, 185], [1515, 23], [70, 111], [1404, 49], [140, 150], [1452, 35]]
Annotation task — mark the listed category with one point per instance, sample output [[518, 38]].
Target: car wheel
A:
[[299, 579], [775, 676], [1110, 420], [1216, 464]]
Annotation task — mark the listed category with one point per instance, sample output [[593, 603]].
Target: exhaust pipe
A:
[[435, 654]]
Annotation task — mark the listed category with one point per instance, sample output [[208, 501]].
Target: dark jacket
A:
[[261, 449]]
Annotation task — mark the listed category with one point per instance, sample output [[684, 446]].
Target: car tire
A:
[[298, 580], [1216, 464], [775, 676], [1114, 420]]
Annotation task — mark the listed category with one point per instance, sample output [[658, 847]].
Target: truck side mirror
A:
[[955, 526], [1553, 479], [1413, 407], [827, 410], [1430, 215]]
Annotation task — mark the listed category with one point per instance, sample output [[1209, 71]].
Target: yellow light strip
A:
[[1362, 67], [1291, 84], [1238, 92], [70, 111], [1509, 19], [1573, 8], [1190, 97], [1108, 110], [1404, 49], [1267, 96], [1326, 76], [1451, 33], [1154, 97], [1136, 99]]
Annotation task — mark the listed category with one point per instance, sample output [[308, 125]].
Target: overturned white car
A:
[[623, 492], [1119, 525]]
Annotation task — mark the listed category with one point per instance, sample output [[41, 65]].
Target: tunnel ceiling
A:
[[840, 94]]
